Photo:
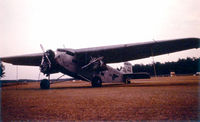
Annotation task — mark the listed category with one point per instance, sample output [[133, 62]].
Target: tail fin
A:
[[127, 68]]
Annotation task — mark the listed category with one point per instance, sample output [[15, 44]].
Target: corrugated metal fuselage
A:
[[71, 66]]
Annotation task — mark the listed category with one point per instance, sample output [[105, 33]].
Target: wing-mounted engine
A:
[[95, 64], [48, 64]]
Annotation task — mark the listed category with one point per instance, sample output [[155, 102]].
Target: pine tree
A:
[[2, 68]]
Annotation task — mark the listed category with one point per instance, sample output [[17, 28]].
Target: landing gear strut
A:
[[44, 84], [96, 82], [127, 81]]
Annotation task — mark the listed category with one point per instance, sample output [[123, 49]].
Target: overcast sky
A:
[[25, 24]]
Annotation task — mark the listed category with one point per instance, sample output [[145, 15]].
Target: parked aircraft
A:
[[90, 64]]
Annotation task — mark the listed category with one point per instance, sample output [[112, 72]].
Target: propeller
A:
[[49, 62], [93, 61]]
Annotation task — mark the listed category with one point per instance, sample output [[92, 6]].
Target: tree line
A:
[[2, 68], [182, 66]]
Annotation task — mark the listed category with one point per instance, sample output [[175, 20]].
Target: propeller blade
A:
[[45, 55], [42, 48], [91, 62]]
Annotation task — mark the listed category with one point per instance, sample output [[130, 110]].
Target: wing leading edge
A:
[[116, 53], [29, 60], [126, 52]]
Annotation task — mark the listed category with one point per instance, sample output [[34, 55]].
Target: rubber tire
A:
[[127, 81], [96, 82], [44, 84]]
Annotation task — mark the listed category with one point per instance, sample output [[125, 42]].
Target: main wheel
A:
[[44, 84], [127, 81], [96, 82]]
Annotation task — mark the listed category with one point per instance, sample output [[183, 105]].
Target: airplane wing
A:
[[116, 53], [126, 52], [30, 60]]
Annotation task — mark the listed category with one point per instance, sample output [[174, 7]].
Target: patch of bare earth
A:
[[163, 98]]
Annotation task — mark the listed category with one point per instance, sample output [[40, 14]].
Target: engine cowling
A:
[[99, 66], [48, 63]]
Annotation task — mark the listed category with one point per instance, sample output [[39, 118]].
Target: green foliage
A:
[[2, 68], [182, 66]]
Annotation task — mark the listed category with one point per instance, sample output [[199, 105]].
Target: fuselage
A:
[[69, 65]]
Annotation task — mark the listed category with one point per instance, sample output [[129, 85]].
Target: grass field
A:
[[162, 98]]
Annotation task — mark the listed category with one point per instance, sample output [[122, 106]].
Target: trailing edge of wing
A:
[[126, 52], [30, 60], [116, 53]]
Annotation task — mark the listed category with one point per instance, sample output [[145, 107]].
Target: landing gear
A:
[[44, 84], [127, 81], [96, 82]]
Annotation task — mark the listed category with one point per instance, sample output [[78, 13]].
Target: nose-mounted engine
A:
[[95, 64], [48, 63]]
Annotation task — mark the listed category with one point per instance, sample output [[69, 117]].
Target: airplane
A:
[[90, 64]]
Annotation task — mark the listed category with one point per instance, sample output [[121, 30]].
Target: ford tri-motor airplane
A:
[[90, 64]]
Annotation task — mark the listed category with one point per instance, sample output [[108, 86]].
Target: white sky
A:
[[25, 24]]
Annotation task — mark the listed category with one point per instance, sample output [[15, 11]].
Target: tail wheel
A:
[[96, 82], [45, 84]]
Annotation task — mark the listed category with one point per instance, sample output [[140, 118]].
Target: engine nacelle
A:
[[95, 64], [99, 66], [48, 64]]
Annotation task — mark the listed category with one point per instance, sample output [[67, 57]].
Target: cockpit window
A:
[[69, 53]]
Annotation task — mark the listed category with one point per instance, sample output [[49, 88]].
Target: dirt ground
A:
[[162, 98]]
